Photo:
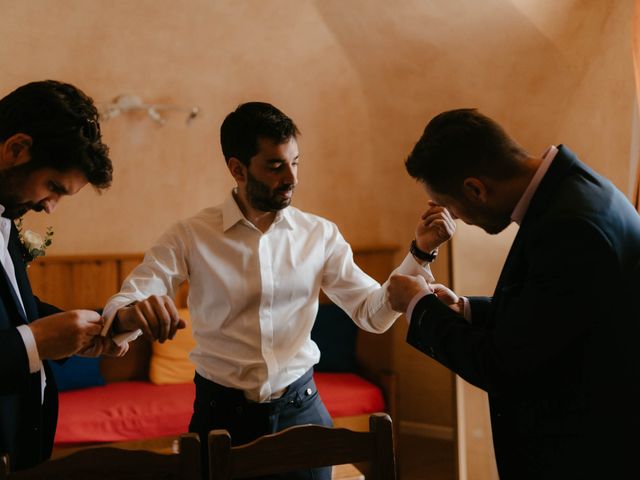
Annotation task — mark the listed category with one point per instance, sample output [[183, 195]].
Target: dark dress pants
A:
[[218, 407]]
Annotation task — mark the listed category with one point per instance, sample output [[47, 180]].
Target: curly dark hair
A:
[[62, 122], [251, 121]]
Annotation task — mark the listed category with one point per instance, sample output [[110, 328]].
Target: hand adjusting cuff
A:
[[422, 255]]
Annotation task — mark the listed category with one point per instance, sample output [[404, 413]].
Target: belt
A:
[[293, 394]]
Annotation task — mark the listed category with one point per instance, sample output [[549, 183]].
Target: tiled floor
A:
[[422, 458]]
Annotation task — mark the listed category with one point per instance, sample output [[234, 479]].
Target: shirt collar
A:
[[523, 204], [231, 214]]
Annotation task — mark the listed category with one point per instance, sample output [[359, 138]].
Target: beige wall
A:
[[360, 77]]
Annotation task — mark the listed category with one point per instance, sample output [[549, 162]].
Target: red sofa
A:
[[130, 407]]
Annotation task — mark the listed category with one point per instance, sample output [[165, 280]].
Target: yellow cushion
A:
[[170, 360]]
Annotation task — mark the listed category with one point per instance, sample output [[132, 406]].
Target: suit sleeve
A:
[[14, 374], [480, 308], [545, 309], [44, 309]]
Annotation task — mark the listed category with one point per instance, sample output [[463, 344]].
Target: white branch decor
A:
[[131, 103]]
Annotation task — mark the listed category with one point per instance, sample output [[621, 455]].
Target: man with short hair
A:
[[555, 346], [50, 147], [255, 267]]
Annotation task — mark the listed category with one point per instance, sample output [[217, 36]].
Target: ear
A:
[[475, 190], [238, 170], [15, 150]]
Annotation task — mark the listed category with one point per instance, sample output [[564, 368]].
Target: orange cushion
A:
[[170, 362]]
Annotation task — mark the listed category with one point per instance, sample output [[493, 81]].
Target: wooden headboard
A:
[[87, 281]]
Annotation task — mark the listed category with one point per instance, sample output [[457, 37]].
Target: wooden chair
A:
[[108, 463], [305, 446]]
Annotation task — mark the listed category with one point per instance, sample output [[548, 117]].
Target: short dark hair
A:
[[463, 143], [241, 129], [63, 124]]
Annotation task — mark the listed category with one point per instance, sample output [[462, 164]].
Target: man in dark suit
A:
[[555, 346], [50, 147]]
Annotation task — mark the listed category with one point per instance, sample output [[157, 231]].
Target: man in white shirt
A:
[[50, 147], [255, 267]]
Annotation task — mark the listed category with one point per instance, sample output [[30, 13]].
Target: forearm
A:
[[373, 312]]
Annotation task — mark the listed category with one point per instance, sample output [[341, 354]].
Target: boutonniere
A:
[[33, 244]]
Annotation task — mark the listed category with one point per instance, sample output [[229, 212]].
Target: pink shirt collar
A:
[[523, 205]]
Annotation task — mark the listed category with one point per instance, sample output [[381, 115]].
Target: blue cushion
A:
[[77, 372], [335, 334]]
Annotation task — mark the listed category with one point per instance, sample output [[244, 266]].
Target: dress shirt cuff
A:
[[109, 314], [35, 364], [412, 304], [410, 266]]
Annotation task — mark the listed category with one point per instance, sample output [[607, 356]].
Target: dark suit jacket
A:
[[27, 427], [556, 346]]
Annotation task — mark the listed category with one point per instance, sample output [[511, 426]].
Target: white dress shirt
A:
[[35, 364], [253, 296]]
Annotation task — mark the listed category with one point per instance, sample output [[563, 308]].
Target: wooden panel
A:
[[126, 267], [70, 285], [374, 351]]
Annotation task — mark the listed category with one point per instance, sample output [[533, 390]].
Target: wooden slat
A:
[[302, 447], [74, 284]]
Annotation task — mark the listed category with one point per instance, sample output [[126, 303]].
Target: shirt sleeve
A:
[[161, 272], [364, 299], [35, 364]]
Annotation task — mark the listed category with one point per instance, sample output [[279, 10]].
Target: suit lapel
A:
[[9, 298], [15, 251], [562, 163]]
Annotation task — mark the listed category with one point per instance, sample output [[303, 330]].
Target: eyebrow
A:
[[280, 160]]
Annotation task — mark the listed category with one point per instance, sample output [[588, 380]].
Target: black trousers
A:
[[218, 407]]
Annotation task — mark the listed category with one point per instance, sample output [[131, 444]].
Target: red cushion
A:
[[135, 410], [347, 394], [124, 411]]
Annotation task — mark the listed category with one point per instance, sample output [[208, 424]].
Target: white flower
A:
[[34, 244], [32, 240]]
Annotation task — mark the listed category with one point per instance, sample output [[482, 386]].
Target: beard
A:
[[11, 182], [496, 224], [266, 199]]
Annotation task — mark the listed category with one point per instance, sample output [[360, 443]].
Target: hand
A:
[[402, 289], [64, 334], [449, 298], [156, 316], [104, 346], [435, 227]]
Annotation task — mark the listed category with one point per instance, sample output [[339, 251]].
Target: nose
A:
[[290, 175], [50, 204]]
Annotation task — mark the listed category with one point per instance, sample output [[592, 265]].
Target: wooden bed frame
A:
[[87, 281]]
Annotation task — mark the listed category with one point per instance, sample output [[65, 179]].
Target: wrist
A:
[[121, 321], [421, 255]]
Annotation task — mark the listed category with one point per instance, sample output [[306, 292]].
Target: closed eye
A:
[[57, 188]]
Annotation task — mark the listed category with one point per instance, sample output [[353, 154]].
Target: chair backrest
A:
[[305, 446], [102, 463]]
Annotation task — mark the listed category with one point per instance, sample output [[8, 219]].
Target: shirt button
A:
[[308, 392]]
